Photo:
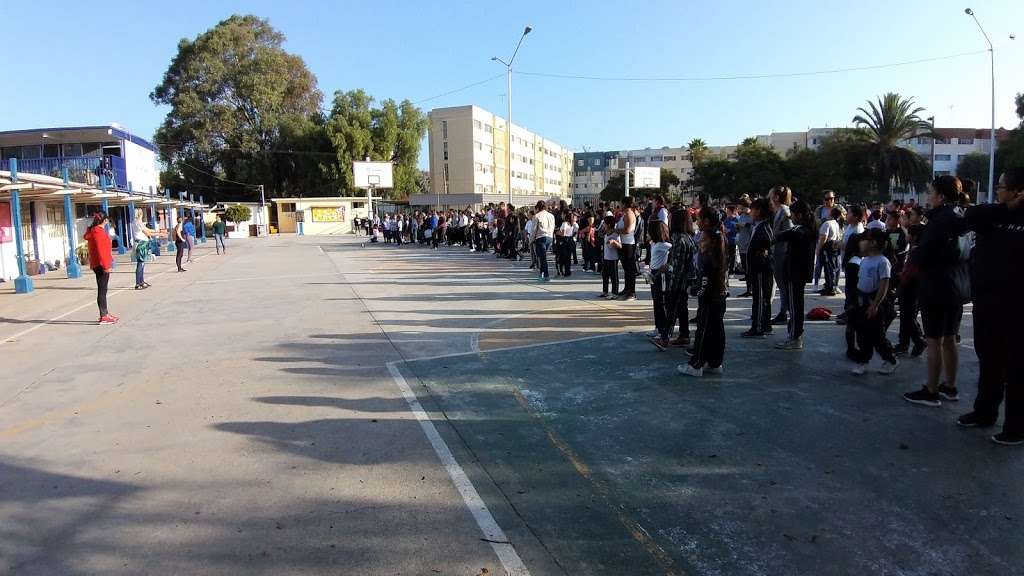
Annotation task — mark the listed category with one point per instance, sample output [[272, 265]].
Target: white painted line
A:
[[14, 338], [520, 347], [492, 532]]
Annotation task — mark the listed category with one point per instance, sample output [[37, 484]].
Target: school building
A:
[[318, 216], [53, 179]]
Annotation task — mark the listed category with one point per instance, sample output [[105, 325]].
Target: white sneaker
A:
[[888, 369], [859, 370], [709, 370], [687, 370], [653, 334]]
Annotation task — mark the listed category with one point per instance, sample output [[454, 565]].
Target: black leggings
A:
[[102, 280], [796, 309], [180, 251], [761, 307], [627, 255], [709, 337], [610, 273]]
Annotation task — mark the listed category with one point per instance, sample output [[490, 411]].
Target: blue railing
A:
[[81, 168]]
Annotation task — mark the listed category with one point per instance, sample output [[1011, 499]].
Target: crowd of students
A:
[[896, 262]]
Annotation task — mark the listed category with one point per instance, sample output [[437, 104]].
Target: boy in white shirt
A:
[[609, 268], [661, 279]]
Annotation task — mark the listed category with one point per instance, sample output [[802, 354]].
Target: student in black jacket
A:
[[759, 261], [937, 257], [799, 268], [998, 312]]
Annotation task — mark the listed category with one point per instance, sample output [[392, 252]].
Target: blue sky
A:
[[70, 63]]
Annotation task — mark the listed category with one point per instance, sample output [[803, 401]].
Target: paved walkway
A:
[[258, 414]]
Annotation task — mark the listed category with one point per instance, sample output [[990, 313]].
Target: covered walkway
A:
[[40, 215]]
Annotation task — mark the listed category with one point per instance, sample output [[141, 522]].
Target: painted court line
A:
[[493, 533], [26, 332]]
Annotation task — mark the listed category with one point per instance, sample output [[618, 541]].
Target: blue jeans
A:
[[218, 241], [540, 246], [140, 273]]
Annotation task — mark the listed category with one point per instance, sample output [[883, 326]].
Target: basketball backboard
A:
[[373, 174], [647, 177]]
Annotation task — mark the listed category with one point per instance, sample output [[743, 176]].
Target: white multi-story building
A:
[[467, 149]]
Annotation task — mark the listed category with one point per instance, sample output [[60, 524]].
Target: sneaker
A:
[[918, 350], [949, 393], [627, 297], [859, 370], [1009, 438], [791, 344], [687, 370], [975, 420], [108, 320], [652, 334], [717, 370], [680, 343], [887, 369], [923, 397], [603, 295], [753, 334]]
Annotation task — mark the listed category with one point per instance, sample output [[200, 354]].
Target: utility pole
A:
[[259, 222]]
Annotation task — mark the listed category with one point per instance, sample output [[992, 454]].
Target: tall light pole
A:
[[992, 144], [508, 121], [932, 120]]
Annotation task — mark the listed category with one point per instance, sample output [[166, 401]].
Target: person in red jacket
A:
[[101, 261]]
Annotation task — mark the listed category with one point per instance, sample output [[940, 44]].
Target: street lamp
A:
[[992, 145], [508, 128]]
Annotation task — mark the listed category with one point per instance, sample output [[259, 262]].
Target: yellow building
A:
[[319, 216], [468, 161]]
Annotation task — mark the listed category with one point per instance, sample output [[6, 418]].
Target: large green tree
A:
[[698, 150], [235, 95], [975, 167], [839, 163], [390, 132], [886, 126]]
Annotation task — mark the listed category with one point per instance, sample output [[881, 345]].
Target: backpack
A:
[[962, 268]]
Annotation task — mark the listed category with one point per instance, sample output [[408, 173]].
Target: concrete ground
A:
[[311, 405]]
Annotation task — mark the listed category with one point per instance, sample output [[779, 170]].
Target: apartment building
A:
[[468, 163]]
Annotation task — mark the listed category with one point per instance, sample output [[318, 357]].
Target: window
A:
[[488, 128], [942, 140], [446, 150], [445, 171], [596, 162], [51, 150], [923, 140], [669, 158], [967, 140], [580, 163], [478, 124], [31, 152], [287, 207], [72, 150], [943, 158], [357, 205], [444, 129]]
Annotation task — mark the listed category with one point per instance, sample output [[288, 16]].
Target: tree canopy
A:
[[243, 111], [885, 126]]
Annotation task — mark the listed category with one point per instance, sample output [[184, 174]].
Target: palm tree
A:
[[885, 130], [698, 151]]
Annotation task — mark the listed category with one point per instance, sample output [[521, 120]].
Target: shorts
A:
[[939, 321]]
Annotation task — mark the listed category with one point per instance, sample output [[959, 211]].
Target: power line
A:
[[749, 76], [210, 174]]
